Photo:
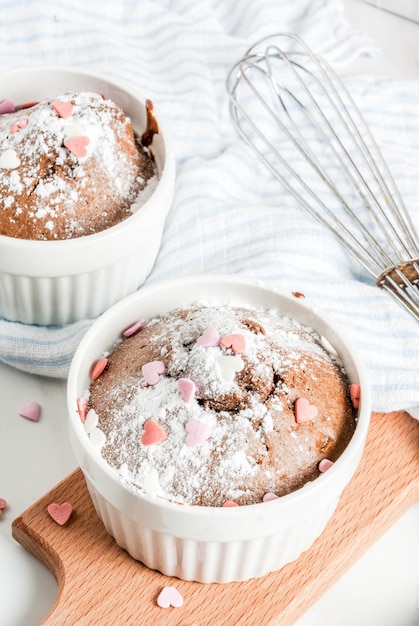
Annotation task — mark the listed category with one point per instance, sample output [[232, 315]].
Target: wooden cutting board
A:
[[99, 583]]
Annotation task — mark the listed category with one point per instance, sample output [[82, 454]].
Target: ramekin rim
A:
[[357, 440], [165, 177]]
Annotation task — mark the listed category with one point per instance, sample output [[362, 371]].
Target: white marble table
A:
[[382, 589]]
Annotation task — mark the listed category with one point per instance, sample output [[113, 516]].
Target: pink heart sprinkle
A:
[[169, 596], [324, 465], [77, 145], [82, 407], [153, 433], [30, 411], [133, 329], [26, 105], [229, 503], [98, 368], [63, 109], [269, 496], [304, 411], [7, 106], [209, 338], [3, 504], [197, 433], [355, 395], [22, 122], [60, 513], [152, 371], [187, 388], [236, 342]]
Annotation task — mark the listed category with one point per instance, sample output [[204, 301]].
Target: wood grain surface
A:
[[99, 583]]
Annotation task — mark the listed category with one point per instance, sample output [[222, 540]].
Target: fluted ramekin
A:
[[59, 282], [208, 544]]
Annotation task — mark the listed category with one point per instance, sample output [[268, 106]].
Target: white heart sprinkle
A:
[[97, 437], [91, 421], [73, 130], [229, 365], [9, 160], [151, 484]]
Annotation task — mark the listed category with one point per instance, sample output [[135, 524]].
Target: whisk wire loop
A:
[[302, 147], [349, 125], [296, 114]]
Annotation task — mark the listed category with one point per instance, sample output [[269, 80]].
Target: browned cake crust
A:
[[255, 445], [64, 176]]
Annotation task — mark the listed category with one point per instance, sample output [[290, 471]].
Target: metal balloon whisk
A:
[[297, 115]]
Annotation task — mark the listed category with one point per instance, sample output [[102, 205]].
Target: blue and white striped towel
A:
[[223, 219]]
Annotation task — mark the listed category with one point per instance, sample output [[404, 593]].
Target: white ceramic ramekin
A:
[[202, 543], [59, 282]]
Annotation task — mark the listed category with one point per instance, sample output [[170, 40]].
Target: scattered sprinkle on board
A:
[[129, 590]]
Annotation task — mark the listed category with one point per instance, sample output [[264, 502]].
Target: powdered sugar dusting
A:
[[255, 445], [62, 190]]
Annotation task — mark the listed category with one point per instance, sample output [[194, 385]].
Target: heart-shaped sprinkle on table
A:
[[153, 433], [9, 159], [196, 433], [324, 465], [77, 145], [187, 388], [235, 341], [355, 392], [229, 365], [3, 505], [209, 338], [22, 122], [30, 411], [7, 106], [152, 371], [169, 596], [60, 513], [133, 329], [304, 411], [98, 368], [63, 109]]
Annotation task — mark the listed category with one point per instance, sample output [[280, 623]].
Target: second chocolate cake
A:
[[70, 167]]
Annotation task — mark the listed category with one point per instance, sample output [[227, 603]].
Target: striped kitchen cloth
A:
[[228, 214]]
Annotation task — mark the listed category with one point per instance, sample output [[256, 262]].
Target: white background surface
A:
[[382, 589]]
